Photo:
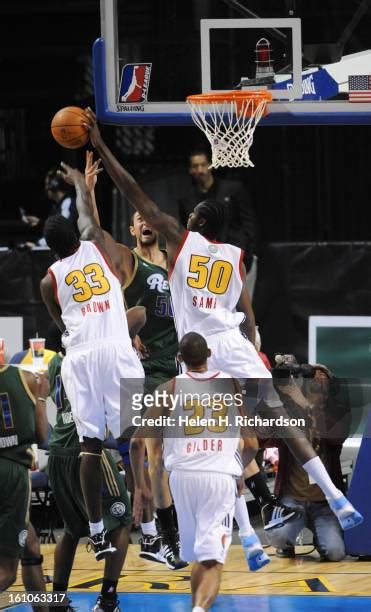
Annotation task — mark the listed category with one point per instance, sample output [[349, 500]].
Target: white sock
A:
[[198, 609], [96, 527], [149, 528], [241, 515], [317, 471]]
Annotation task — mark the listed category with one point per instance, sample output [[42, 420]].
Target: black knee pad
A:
[[32, 561]]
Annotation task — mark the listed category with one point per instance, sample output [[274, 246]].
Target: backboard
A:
[[314, 57]]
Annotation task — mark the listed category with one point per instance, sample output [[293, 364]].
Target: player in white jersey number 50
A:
[[209, 294], [83, 295]]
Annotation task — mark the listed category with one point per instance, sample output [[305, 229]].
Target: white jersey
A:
[[203, 431], [89, 294], [205, 285]]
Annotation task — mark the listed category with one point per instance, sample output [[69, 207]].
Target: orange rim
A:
[[254, 96]]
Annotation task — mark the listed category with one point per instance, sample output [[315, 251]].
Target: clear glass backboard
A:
[[314, 56]]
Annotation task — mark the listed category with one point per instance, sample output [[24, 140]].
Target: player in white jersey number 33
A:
[[83, 295]]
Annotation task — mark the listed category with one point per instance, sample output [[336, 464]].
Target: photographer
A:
[[328, 418]]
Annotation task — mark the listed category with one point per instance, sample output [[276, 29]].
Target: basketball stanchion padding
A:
[[228, 120], [358, 540]]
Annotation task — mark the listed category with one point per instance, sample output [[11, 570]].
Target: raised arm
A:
[[160, 221], [87, 223], [91, 169], [120, 254]]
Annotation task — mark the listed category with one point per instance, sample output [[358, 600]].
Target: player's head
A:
[[193, 350], [55, 186], [199, 166], [60, 236], [144, 235], [208, 218]]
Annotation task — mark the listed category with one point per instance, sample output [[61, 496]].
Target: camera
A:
[[286, 366]]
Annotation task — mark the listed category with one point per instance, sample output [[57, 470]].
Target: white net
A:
[[229, 127]]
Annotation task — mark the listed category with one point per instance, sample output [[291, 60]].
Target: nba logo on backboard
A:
[[135, 83]]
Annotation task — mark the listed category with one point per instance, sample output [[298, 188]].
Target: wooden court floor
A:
[[305, 575]]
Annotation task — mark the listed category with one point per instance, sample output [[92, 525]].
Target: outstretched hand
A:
[[92, 170], [92, 126], [70, 175]]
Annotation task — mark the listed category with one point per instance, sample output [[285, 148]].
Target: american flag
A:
[[359, 88]]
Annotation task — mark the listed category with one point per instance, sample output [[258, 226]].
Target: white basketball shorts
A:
[[205, 503], [91, 376], [234, 354], [231, 352]]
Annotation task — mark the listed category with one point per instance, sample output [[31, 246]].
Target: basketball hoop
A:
[[228, 120]]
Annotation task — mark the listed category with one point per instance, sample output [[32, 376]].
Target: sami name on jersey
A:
[[206, 286]]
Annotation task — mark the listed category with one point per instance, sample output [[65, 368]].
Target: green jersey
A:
[[17, 418], [149, 287], [64, 432]]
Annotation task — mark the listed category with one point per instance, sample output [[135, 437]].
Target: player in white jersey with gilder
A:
[[201, 440], [209, 294], [83, 295]]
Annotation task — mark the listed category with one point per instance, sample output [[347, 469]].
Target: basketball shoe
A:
[[107, 604], [347, 516], [170, 551], [101, 545], [150, 548], [63, 608], [255, 556], [276, 515]]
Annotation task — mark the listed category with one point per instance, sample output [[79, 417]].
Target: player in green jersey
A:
[[65, 481], [23, 422], [148, 285], [145, 270]]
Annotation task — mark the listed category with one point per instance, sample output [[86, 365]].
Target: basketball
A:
[[67, 129]]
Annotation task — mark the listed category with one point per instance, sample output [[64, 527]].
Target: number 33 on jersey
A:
[[89, 294]]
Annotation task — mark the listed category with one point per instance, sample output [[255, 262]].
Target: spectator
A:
[[329, 427], [60, 195], [241, 229], [63, 203]]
